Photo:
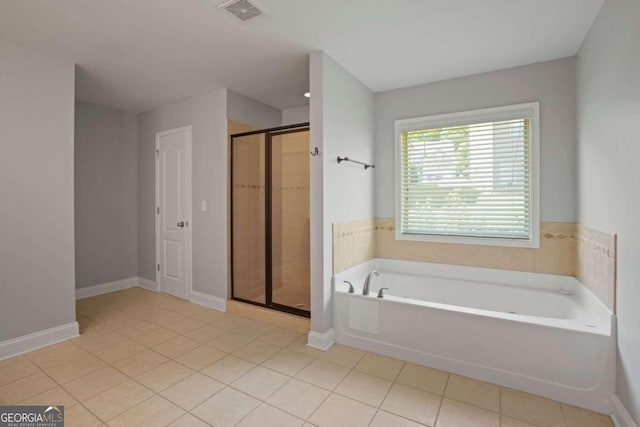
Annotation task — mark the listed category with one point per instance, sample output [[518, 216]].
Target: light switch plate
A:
[[203, 205]]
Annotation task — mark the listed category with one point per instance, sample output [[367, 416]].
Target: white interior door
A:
[[173, 212]]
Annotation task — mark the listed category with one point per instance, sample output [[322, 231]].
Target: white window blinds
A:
[[470, 180]]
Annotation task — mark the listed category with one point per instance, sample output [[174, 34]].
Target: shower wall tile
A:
[[596, 263]]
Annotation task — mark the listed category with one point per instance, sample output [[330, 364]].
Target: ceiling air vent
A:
[[241, 9]]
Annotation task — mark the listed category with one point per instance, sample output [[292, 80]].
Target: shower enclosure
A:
[[270, 218]]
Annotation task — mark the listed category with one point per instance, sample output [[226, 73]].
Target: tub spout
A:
[[367, 281]]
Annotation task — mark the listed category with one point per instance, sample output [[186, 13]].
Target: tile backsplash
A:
[[565, 249], [596, 263], [354, 242]]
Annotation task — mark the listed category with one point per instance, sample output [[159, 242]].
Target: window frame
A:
[[529, 110]]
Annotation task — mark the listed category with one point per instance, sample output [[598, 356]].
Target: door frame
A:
[[188, 189]]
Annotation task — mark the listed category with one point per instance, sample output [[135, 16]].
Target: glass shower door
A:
[[290, 233], [270, 233], [248, 198]]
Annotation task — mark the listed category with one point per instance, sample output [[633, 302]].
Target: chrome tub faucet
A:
[[367, 281]]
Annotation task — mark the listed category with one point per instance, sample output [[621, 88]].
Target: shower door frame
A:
[[281, 130]]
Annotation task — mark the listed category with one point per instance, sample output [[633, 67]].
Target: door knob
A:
[[181, 224]]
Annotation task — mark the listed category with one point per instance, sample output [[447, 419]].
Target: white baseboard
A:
[[146, 284], [321, 341], [117, 285], [103, 288], [195, 297], [620, 416], [207, 300], [26, 343]]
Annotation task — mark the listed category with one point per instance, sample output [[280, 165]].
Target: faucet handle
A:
[[381, 292], [351, 290]]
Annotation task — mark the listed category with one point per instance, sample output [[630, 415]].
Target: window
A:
[[469, 177]]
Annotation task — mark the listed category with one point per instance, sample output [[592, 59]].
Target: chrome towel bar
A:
[[346, 159]]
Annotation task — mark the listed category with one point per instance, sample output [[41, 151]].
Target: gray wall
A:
[[250, 111], [207, 114], [293, 116], [36, 189], [342, 124], [608, 92], [551, 83], [106, 195]]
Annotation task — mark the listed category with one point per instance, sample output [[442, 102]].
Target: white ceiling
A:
[[135, 55]]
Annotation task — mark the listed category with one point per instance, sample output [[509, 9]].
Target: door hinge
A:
[[157, 152], [158, 210], [158, 267]]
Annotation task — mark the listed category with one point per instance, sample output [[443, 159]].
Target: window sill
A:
[[534, 243]]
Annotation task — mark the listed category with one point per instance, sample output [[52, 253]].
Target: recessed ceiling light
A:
[[307, 95]]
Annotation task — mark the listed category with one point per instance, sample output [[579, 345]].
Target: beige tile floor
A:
[[298, 297], [146, 359]]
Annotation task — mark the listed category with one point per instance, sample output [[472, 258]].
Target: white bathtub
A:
[[539, 333]]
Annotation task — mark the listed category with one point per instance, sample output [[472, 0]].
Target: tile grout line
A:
[[22, 378], [197, 417], [111, 388], [253, 397], [471, 404], [379, 408], [79, 403], [128, 409], [318, 407], [435, 421], [283, 411], [91, 412], [330, 391], [375, 414], [248, 372], [353, 398], [564, 416], [93, 395], [29, 376], [500, 404]]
